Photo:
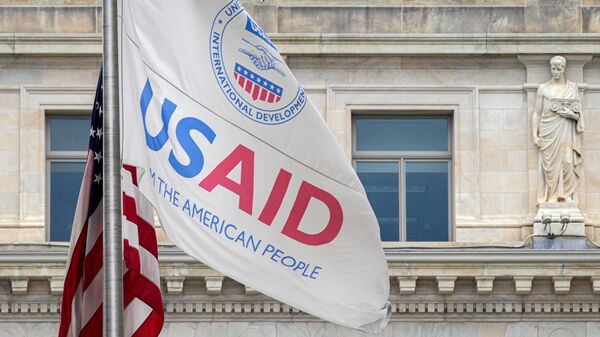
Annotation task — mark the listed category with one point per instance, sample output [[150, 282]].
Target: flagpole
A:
[[113, 241]]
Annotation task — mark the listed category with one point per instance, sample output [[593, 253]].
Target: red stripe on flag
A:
[[93, 328], [93, 262], [74, 273], [271, 97], [131, 256], [151, 326], [142, 288], [133, 171], [146, 233]]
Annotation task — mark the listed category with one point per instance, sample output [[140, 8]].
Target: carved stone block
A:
[[485, 284], [407, 284], [596, 284], [562, 284], [523, 284], [175, 284], [18, 285], [446, 284], [56, 284], [214, 284]]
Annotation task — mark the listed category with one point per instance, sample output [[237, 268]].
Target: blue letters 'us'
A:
[[182, 132]]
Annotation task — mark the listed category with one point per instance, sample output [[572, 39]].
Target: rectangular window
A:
[[404, 164], [66, 149]]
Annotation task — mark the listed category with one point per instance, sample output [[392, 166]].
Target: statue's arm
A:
[[537, 112]]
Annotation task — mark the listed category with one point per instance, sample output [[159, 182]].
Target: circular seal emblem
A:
[[250, 71]]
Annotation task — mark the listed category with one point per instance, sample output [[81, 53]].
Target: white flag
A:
[[243, 171]]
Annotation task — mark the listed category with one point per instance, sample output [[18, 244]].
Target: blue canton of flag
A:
[[95, 146], [259, 87]]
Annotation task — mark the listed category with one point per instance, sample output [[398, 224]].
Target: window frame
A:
[[58, 156], [401, 157]]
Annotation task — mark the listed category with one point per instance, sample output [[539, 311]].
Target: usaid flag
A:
[[241, 168]]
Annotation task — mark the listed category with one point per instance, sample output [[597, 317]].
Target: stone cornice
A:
[[343, 44], [50, 44], [490, 284], [57, 253]]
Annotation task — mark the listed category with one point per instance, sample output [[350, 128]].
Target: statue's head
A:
[[557, 66]]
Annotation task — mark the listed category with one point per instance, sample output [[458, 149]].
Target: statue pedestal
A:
[[555, 211]]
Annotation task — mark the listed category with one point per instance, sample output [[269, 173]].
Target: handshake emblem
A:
[[262, 58]]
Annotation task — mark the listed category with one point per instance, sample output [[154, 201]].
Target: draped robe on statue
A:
[[560, 152]]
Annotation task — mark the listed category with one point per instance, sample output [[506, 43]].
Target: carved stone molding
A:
[[425, 285], [339, 44]]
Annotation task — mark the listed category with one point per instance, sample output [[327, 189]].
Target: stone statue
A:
[[557, 130]]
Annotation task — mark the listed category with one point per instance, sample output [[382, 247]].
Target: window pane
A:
[[401, 134], [380, 180], [65, 180], [69, 134], [427, 201]]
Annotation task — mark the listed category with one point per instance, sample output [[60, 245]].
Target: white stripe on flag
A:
[[76, 308], [149, 266], [95, 229], [134, 316], [92, 297], [130, 233], [83, 202]]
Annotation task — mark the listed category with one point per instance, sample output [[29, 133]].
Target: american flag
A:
[[259, 87], [81, 309]]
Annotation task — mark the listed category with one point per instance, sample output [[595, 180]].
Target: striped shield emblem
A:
[[257, 86]]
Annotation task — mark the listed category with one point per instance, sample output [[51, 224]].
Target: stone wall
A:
[[352, 57], [478, 60], [313, 329], [343, 16]]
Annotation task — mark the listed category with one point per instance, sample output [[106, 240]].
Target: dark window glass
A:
[[69, 134], [65, 181], [380, 180], [401, 134], [427, 201]]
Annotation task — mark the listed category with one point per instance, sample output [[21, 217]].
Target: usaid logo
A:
[[250, 71], [244, 158]]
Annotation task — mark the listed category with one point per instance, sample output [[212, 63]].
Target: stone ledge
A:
[[425, 285], [261, 310], [343, 44], [439, 271]]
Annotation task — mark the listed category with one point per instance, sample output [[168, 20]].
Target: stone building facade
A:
[[476, 63]]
